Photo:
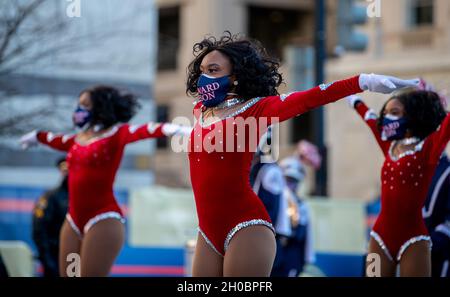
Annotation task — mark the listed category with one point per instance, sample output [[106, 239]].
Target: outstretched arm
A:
[[56, 141], [438, 140], [133, 133], [288, 106], [370, 117], [293, 104]]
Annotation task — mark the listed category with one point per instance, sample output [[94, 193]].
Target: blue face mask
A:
[[292, 185], [393, 127], [81, 117], [212, 90]]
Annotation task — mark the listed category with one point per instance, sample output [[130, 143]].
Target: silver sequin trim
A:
[[323, 87], [72, 224], [65, 138], [243, 225], [111, 132], [151, 127], [246, 106], [50, 136], [370, 115], [411, 241], [416, 149], [284, 96], [381, 243], [229, 103], [133, 128], [102, 216], [209, 241]]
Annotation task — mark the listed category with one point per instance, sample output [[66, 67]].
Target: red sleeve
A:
[[58, 142], [288, 106], [371, 118], [133, 133], [437, 141]]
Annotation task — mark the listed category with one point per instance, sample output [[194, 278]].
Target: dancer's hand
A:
[[29, 139], [384, 84], [352, 99], [170, 129]]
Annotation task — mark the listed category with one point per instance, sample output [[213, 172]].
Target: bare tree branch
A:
[[31, 38], [15, 24]]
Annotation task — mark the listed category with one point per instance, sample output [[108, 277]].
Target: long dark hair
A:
[[257, 73], [424, 112], [111, 106]]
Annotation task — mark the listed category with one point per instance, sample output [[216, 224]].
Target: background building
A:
[[409, 38]]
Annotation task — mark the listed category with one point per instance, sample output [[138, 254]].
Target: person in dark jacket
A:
[[48, 216]]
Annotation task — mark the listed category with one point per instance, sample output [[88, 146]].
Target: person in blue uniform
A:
[[436, 213], [298, 249]]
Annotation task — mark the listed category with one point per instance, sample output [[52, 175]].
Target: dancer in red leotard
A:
[[236, 83], [94, 221], [412, 132]]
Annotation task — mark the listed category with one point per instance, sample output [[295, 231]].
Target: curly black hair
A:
[[111, 106], [257, 73], [424, 112]]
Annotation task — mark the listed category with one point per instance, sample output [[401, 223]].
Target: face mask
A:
[[393, 127], [212, 90], [82, 117], [292, 185]]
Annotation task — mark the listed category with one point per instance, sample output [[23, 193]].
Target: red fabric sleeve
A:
[[288, 106], [133, 133], [438, 140], [58, 142], [371, 118]]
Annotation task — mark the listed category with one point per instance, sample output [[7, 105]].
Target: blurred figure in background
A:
[[436, 213], [298, 248], [268, 183], [276, 185], [48, 216]]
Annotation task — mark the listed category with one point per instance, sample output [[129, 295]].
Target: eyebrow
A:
[[209, 65]]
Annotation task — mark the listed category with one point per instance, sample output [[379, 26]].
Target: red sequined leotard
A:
[[92, 170], [404, 185], [220, 157]]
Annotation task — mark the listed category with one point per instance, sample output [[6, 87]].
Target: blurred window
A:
[[168, 37], [274, 27], [421, 13]]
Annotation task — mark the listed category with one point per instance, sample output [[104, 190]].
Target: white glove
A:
[[170, 129], [384, 84], [352, 99], [29, 140]]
